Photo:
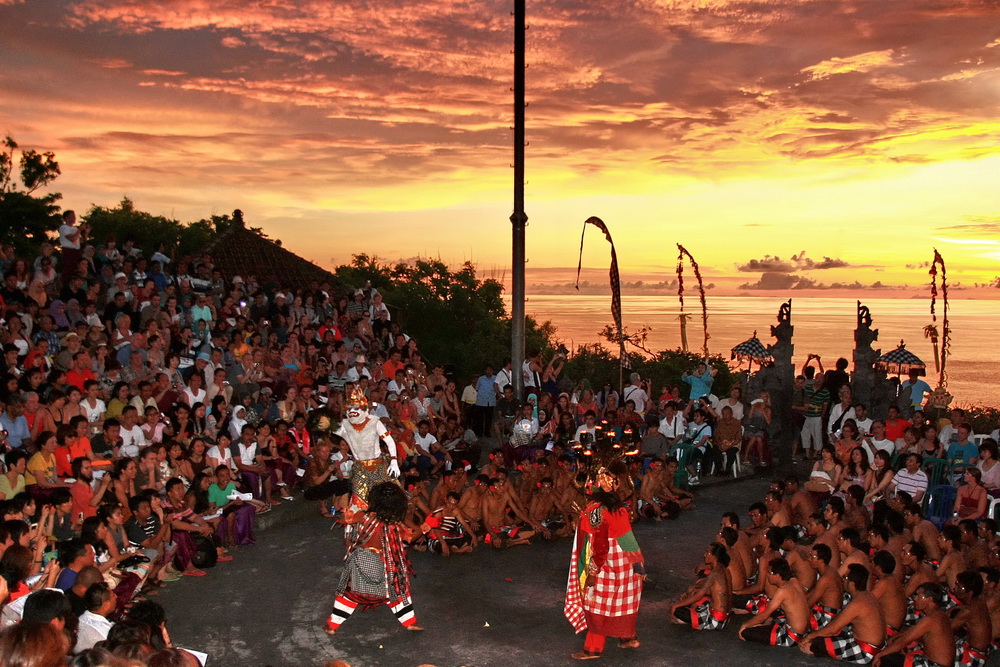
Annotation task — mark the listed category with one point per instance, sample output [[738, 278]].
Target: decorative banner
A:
[[945, 329], [616, 285], [680, 293]]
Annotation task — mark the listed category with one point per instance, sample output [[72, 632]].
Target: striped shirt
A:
[[912, 483]]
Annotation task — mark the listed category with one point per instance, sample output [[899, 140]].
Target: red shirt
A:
[[82, 495], [77, 379], [895, 431]]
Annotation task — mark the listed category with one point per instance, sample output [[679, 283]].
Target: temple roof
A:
[[239, 251]]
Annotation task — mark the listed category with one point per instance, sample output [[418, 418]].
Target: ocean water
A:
[[823, 326]]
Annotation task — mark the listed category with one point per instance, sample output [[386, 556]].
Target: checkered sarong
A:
[[365, 574], [846, 648], [919, 659], [782, 635], [758, 603], [703, 617], [966, 656], [821, 616]]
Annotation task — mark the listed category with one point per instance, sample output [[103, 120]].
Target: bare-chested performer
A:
[[789, 598], [933, 631], [777, 513], [658, 502], [801, 502], [952, 559], [684, 497], [797, 557], [752, 598], [707, 608], [498, 509], [472, 503], [861, 642], [742, 549], [826, 597], [991, 593], [834, 515], [923, 531], [452, 533], [849, 543], [888, 589], [450, 481], [756, 531], [918, 570], [819, 531], [737, 571], [545, 511], [971, 621]]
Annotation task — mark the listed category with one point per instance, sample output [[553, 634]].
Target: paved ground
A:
[[486, 608]]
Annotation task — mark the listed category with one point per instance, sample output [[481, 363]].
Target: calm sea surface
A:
[[822, 326]]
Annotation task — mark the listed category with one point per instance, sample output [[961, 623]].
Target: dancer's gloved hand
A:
[[393, 468]]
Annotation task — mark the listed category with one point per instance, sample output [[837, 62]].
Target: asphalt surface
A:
[[486, 608]]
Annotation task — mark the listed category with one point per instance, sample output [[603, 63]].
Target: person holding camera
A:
[[637, 391], [700, 380]]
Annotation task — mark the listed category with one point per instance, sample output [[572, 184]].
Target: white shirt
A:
[[736, 406], [424, 441], [353, 374], [672, 429], [96, 413], [864, 425], [92, 628], [132, 440], [637, 395], [192, 397], [871, 446], [65, 232], [949, 434], [502, 379], [583, 429], [220, 455], [835, 413], [248, 453]]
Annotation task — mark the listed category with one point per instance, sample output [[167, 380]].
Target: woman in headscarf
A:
[[57, 311], [74, 313]]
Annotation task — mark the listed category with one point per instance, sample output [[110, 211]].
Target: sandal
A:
[[628, 643], [585, 655]]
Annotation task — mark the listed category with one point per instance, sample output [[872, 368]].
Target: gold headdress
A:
[[357, 398], [606, 458]]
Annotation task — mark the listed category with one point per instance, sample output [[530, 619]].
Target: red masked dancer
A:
[[606, 572]]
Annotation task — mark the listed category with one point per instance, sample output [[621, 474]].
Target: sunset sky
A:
[[788, 144]]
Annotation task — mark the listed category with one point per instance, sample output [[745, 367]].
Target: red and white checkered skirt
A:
[[615, 595]]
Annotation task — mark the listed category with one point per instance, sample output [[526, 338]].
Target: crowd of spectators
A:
[[151, 408]]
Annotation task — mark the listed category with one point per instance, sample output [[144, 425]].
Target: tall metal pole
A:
[[518, 219]]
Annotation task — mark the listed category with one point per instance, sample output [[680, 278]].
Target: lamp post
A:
[[518, 218]]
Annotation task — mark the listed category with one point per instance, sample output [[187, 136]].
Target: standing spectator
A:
[[486, 401], [817, 402], [913, 390], [700, 381], [71, 238]]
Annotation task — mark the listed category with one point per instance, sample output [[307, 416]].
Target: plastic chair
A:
[[991, 509], [682, 452], [937, 472], [940, 501], [898, 460]]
